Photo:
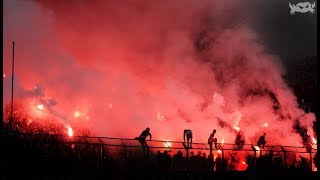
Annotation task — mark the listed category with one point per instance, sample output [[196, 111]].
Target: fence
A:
[[123, 146]]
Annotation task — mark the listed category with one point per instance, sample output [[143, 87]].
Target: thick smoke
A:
[[118, 67]]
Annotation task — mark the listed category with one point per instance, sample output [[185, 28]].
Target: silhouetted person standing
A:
[[239, 141], [142, 140], [211, 140], [188, 133], [262, 141]]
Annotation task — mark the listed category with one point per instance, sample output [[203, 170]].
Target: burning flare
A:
[[160, 116], [40, 107], [265, 124], [166, 143], [76, 114], [314, 140], [70, 131], [236, 128]]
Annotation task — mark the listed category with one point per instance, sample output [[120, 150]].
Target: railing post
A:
[[310, 159], [284, 156], [255, 156], [101, 153], [187, 155]]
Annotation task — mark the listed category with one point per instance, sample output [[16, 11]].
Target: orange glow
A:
[[243, 162], [265, 124], [315, 169], [257, 148], [168, 144], [70, 131], [222, 141], [160, 116], [76, 114], [219, 151], [40, 107], [237, 128], [314, 140]]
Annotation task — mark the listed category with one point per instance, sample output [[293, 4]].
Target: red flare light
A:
[[76, 114], [237, 128], [315, 169], [219, 151], [314, 140], [168, 144], [40, 107], [70, 131], [265, 124]]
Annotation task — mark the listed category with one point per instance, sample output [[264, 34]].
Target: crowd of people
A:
[[33, 156], [187, 134]]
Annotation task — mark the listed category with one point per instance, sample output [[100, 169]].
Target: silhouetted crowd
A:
[[81, 161]]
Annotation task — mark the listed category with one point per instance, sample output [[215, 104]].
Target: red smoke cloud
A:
[[119, 67]]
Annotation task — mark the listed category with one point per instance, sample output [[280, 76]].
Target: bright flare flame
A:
[[110, 106], [257, 148], [167, 143], [76, 114], [40, 107], [222, 141], [70, 131], [4, 75], [219, 151], [315, 169], [265, 124], [237, 115], [314, 140], [243, 162]]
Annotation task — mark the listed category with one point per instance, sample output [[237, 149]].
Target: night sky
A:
[[287, 35]]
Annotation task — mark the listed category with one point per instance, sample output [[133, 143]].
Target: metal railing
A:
[[126, 143]]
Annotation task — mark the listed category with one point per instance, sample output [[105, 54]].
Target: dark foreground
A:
[[54, 174], [21, 159]]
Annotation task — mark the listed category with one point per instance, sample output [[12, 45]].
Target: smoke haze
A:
[[119, 67]]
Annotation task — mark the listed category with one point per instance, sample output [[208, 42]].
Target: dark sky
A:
[[285, 34]]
